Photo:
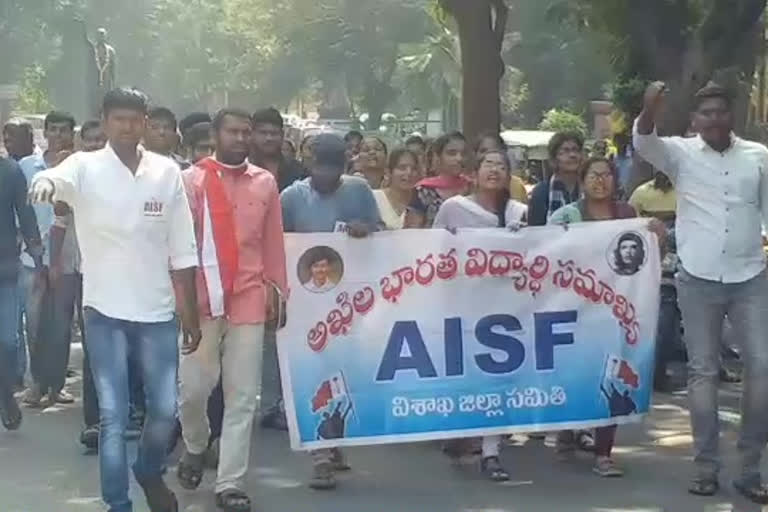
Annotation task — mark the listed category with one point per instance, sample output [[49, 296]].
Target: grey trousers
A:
[[704, 305]]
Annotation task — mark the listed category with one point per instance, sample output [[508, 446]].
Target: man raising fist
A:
[[722, 202]]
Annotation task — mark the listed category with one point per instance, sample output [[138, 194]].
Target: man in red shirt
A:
[[239, 229]]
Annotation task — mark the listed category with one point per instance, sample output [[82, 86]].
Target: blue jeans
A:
[[9, 310], [704, 305], [155, 347]]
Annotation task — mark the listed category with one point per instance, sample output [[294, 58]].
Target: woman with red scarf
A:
[[450, 157]]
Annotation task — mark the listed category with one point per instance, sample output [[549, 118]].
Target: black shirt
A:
[[13, 206]]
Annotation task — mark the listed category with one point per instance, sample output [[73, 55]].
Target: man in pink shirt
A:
[[238, 224]]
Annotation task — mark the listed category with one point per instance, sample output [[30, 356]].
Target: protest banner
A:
[[423, 334]]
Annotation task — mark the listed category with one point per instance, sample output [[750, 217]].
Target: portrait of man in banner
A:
[[627, 254], [320, 269]]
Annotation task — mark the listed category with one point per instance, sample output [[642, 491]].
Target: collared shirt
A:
[[132, 229], [259, 228], [313, 287], [13, 208], [722, 199], [31, 165]]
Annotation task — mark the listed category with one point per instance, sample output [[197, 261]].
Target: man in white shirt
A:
[[722, 200], [137, 243]]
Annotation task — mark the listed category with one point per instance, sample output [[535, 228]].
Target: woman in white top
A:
[[489, 205], [402, 175]]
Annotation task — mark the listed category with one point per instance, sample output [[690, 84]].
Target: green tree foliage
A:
[[556, 120], [33, 95], [683, 42]]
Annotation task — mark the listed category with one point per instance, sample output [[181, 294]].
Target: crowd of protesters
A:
[[164, 240]]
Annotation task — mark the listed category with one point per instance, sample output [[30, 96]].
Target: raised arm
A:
[[653, 149]]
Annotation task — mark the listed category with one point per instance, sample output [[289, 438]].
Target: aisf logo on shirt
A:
[[153, 208]]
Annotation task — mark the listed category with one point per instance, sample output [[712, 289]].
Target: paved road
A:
[[42, 468]]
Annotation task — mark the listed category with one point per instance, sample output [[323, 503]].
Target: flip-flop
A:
[[190, 474], [233, 500]]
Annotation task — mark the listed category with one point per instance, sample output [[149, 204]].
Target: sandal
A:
[[754, 492], [491, 467], [707, 486], [190, 471], [233, 500], [10, 414], [159, 497]]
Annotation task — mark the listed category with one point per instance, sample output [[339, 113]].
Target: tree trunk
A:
[[482, 67]]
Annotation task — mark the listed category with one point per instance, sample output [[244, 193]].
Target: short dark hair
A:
[[416, 139], [441, 142], [353, 134], [397, 154], [18, 122], [196, 133], [713, 90], [125, 98], [89, 125], [318, 254], [56, 117], [269, 116], [490, 134], [164, 114], [218, 119], [192, 119], [560, 138]]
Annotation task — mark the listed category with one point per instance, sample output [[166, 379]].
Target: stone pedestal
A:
[[601, 112]]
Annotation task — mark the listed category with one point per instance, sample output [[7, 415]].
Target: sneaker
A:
[[607, 468], [33, 396], [323, 478], [89, 437]]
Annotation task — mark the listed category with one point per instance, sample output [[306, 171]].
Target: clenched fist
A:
[[654, 96]]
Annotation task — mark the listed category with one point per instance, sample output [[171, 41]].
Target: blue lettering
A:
[[454, 348], [405, 333], [512, 346], [546, 339]]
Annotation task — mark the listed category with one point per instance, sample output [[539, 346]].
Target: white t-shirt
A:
[[132, 230], [463, 212]]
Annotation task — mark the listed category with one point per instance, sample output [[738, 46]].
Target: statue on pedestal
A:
[[102, 70]]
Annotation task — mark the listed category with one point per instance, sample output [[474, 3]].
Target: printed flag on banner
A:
[[329, 390], [619, 369]]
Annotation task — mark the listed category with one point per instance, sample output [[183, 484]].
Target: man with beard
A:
[[722, 203], [236, 207], [267, 148]]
